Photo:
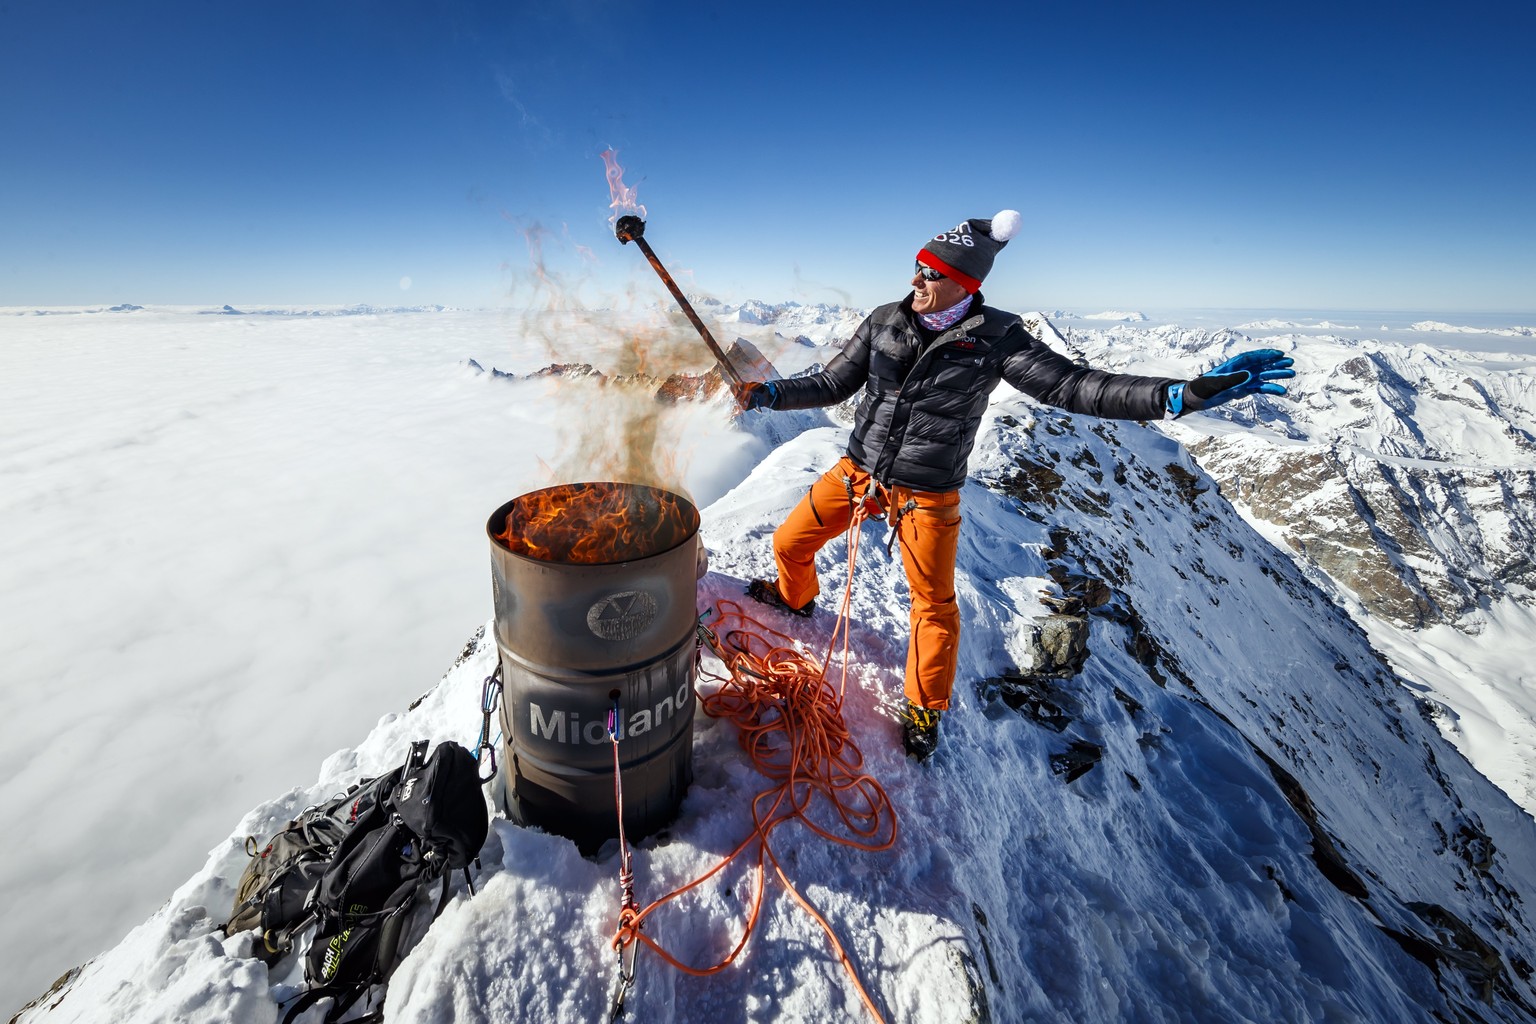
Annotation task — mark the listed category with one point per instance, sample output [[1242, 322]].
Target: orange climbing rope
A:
[[790, 724]]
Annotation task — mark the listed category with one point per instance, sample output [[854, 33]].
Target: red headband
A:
[[966, 281]]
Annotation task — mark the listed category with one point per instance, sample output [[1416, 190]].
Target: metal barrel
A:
[[579, 640]]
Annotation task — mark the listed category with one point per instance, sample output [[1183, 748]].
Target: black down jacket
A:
[[923, 402]]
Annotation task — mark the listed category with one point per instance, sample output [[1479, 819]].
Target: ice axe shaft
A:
[[632, 229]]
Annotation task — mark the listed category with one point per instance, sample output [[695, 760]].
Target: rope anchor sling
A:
[[623, 942]]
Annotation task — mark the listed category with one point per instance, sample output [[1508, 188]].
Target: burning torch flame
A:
[[622, 196]]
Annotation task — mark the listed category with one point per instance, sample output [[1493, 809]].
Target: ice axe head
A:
[[629, 228]]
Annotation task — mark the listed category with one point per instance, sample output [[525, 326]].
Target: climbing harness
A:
[[789, 722], [877, 503]]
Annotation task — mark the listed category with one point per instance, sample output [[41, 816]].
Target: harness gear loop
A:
[[895, 521]]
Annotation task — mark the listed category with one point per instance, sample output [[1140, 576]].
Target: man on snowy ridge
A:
[[927, 365]]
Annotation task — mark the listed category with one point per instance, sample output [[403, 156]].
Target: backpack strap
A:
[[313, 996], [344, 995], [418, 757]]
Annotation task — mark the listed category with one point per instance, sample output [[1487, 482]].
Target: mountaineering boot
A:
[[767, 592], [920, 730]]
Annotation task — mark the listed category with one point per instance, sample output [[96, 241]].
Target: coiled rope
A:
[[789, 719]]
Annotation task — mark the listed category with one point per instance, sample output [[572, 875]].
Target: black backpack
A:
[[400, 833], [277, 883]]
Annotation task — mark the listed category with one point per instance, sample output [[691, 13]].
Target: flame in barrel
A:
[[597, 523]]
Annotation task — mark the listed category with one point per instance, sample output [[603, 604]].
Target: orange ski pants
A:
[[928, 535]]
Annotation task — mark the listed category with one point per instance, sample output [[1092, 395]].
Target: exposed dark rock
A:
[[1419, 542], [1034, 697], [1061, 645], [1131, 705], [1077, 760], [1452, 943], [1032, 484], [1090, 503], [576, 371], [1473, 846], [1060, 536], [986, 947], [1185, 483], [1325, 852], [56, 994], [1080, 593], [1084, 460], [473, 646], [979, 1011], [1274, 876]]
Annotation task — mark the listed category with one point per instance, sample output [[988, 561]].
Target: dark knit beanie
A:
[[965, 254]]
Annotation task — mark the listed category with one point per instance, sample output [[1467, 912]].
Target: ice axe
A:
[[632, 229]]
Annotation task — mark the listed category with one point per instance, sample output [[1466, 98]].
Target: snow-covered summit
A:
[[1177, 784]]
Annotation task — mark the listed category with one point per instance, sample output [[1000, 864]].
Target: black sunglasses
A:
[[926, 273]]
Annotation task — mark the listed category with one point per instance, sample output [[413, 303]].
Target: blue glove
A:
[[758, 395], [1248, 373]]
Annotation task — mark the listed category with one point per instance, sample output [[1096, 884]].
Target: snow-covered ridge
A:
[[1288, 325], [358, 310], [1177, 783], [1403, 477], [434, 416], [1121, 316], [814, 323], [1115, 314], [1437, 327], [1412, 412]]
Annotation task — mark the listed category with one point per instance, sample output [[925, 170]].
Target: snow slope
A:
[[1229, 810], [205, 517], [1403, 478]]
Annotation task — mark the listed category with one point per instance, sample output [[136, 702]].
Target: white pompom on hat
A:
[[1005, 224], [965, 254]]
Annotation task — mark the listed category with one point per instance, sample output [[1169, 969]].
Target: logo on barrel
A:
[[622, 616]]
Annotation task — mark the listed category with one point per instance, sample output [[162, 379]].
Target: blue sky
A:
[[1168, 155]]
